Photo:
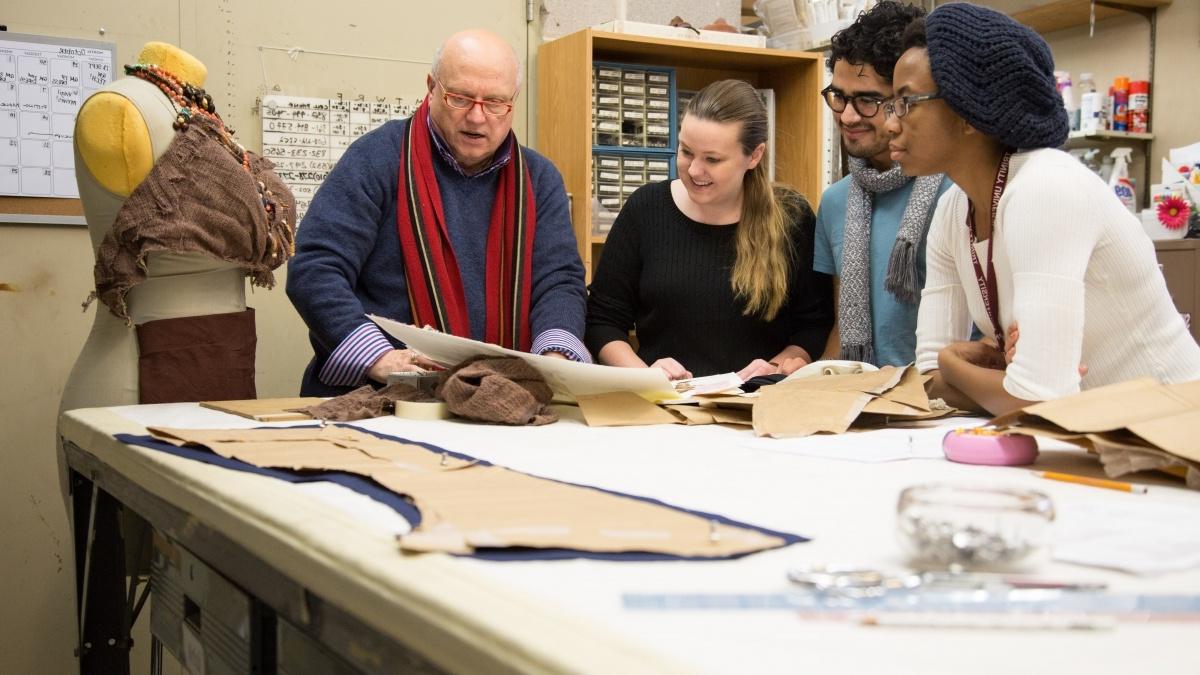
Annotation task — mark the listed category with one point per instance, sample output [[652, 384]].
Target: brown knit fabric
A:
[[504, 390], [198, 198], [197, 358], [365, 402]]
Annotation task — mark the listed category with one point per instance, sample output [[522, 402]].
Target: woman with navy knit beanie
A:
[[1030, 246]]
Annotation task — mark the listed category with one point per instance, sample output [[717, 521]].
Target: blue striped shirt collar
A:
[[501, 158]]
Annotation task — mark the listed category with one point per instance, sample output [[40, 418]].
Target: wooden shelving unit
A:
[[565, 99]]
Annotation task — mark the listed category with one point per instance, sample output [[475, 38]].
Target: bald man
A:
[[441, 219]]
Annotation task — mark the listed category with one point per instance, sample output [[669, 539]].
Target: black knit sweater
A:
[[668, 277]]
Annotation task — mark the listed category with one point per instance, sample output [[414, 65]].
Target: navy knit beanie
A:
[[996, 74]]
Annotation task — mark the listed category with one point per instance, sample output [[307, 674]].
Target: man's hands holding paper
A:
[[400, 361]]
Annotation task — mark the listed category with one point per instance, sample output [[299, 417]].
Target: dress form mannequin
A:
[[178, 298], [120, 132]]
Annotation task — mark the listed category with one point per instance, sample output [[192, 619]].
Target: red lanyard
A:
[[987, 283]]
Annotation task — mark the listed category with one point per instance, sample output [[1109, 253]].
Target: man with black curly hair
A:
[[871, 224]]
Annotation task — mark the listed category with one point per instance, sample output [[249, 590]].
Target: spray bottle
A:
[[1119, 180]]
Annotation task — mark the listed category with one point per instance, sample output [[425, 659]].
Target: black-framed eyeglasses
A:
[[866, 105], [489, 106], [900, 105]]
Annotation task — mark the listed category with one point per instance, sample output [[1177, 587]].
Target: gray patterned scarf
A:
[[854, 301]]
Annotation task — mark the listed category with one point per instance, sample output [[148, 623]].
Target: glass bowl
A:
[[972, 526]]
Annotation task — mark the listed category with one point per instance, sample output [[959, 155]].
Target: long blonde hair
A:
[[762, 268]]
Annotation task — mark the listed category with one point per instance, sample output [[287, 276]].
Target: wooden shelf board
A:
[[1110, 136], [693, 52], [1063, 14]]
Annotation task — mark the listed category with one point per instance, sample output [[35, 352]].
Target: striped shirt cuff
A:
[[348, 364], [559, 340]]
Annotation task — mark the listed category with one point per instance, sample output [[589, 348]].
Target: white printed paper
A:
[[304, 137], [42, 86], [1138, 534], [567, 379]]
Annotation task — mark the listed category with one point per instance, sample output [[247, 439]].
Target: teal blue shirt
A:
[[893, 323]]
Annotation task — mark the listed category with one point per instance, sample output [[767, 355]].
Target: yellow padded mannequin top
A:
[[112, 136]]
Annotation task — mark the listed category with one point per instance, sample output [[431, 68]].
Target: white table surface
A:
[[567, 616]]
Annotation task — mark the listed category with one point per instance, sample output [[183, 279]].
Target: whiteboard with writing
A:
[[43, 82], [304, 137]]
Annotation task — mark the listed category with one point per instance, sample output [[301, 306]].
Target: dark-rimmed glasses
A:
[[865, 105], [489, 106], [900, 105]]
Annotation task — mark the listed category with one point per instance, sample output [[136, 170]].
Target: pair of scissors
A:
[[852, 582]]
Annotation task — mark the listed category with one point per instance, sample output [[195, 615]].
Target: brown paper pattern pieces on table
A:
[[466, 505]]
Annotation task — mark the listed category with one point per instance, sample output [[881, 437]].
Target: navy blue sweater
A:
[[348, 260]]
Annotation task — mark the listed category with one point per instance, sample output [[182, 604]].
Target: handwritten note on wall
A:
[[42, 86], [304, 137]]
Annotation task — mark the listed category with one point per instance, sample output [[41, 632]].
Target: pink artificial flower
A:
[[1173, 212]]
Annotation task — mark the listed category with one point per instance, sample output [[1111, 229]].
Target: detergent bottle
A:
[[1120, 182]]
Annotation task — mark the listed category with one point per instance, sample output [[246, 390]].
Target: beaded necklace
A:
[[190, 101]]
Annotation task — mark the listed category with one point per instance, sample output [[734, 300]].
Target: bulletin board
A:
[[43, 83]]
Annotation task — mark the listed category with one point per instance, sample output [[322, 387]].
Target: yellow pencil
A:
[[1094, 482]]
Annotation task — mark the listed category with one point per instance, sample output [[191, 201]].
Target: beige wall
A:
[[41, 326]]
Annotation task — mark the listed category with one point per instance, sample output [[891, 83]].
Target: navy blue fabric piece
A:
[[410, 513]]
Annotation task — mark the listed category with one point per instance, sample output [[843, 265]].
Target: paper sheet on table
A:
[[567, 379], [357, 505], [918, 441], [1135, 535]]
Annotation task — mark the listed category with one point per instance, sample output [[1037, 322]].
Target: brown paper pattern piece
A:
[[621, 408], [266, 409], [786, 412], [465, 505]]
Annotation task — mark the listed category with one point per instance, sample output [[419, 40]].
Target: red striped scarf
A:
[[435, 289]]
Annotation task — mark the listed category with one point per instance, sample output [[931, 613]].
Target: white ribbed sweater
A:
[[1074, 269]]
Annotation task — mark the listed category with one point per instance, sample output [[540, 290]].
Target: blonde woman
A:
[[713, 270]]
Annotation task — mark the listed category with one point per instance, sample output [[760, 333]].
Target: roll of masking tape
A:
[[423, 410]]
